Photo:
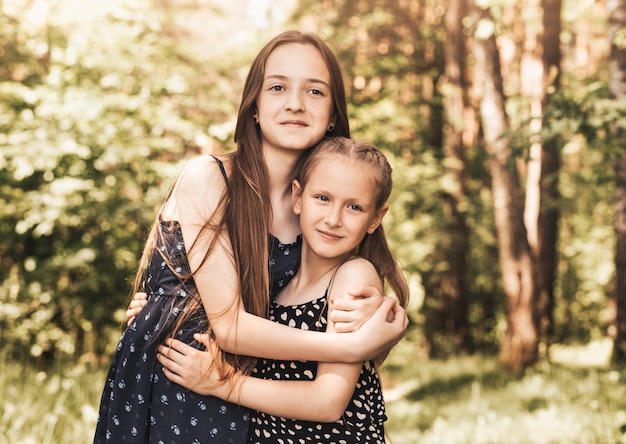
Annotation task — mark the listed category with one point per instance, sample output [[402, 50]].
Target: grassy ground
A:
[[58, 406], [575, 399], [463, 400]]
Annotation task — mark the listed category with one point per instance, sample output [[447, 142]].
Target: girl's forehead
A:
[[339, 163], [297, 58]]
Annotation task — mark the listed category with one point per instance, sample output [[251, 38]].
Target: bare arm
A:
[[323, 399], [239, 332]]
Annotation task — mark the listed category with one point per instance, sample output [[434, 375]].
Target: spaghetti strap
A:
[[221, 165]]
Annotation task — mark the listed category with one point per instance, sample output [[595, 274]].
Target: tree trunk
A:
[[532, 88], [617, 88], [518, 349], [540, 79], [547, 223], [456, 293]]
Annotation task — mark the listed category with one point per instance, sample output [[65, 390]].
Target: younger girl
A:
[[340, 197]]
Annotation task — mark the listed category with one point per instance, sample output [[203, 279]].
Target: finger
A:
[[132, 312], [364, 291], [172, 361], [169, 366], [172, 376], [388, 305], [400, 320], [345, 327], [167, 351], [130, 320], [179, 346], [137, 304], [343, 304], [339, 316], [140, 296], [399, 312], [204, 339]]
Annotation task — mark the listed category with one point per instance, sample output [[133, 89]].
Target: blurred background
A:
[[503, 119]]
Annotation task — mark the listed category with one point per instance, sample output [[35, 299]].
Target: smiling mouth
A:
[[293, 123], [329, 235]]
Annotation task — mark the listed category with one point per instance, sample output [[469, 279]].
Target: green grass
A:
[[57, 406], [469, 400], [462, 400]]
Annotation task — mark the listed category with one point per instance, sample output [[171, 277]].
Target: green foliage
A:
[[91, 132], [393, 59], [99, 104]]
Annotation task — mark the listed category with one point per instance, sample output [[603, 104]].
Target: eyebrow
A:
[[281, 77]]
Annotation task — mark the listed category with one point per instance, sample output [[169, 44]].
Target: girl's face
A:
[[337, 206], [294, 107]]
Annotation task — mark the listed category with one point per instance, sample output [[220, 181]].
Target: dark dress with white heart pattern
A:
[[362, 421]]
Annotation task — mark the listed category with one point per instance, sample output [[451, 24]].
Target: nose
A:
[[333, 217], [294, 101]]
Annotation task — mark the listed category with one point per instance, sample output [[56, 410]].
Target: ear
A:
[[331, 123], [377, 220], [296, 196]]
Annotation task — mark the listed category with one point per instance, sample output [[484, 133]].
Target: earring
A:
[[330, 127], [256, 119]]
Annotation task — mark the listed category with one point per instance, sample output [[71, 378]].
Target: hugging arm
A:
[[239, 332], [323, 399]]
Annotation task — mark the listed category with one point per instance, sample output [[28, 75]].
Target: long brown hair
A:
[[246, 209], [373, 247]]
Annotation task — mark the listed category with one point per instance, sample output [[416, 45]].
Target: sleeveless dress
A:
[[363, 419], [139, 404]]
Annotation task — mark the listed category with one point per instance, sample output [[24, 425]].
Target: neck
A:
[[313, 268], [281, 169], [311, 279]]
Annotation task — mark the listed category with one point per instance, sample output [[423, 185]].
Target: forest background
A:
[[504, 121]]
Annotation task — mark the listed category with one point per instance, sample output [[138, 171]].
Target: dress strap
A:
[[221, 165]]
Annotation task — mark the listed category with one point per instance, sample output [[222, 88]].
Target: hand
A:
[[136, 304], [190, 367], [349, 313], [381, 332]]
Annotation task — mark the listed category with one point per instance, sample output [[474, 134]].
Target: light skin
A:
[[294, 110], [337, 207]]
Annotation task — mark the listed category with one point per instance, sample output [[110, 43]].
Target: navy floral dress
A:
[[139, 404]]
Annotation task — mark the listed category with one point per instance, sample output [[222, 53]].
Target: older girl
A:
[[206, 262]]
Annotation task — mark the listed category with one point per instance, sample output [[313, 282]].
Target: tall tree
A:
[[617, 87], [550, 163], [540, 69], [518, 348], [455, 297]]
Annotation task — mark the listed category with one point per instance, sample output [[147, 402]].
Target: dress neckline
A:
[[281, 244]]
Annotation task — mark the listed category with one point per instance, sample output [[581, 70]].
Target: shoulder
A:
[[203, 174], [354, 272], [197, 190], [357, 266], [204, 169]]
